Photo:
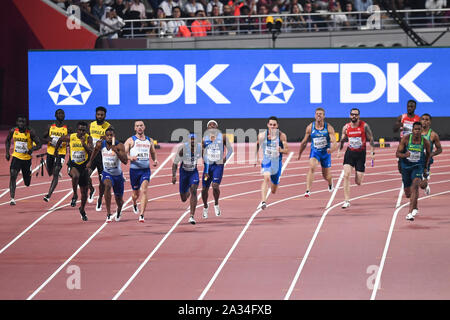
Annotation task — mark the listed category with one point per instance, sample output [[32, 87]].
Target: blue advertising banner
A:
[[195, 84]]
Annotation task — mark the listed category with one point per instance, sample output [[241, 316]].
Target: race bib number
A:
[[320, 142], [142, 156], [78, 156], [355, 142], [54, 141], [21, 147], [213, 154], [110, 162], [188, 166], [414, 156], [272, 151]]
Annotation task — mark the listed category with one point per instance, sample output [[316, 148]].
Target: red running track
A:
[[295, 249]]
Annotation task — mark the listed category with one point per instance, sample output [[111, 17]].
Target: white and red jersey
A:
[[407, 124], [356, 137]]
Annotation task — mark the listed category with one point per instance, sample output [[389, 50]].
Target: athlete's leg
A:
[[13, 173], [84, 195], [108, 187], [193, 202], [26, 172], [119, 202], [144, 196], [216, 193], [49, 164], [347, 173], [56, 169], [75, 175], [265, 185], [414, 194], [326, 173], [310, 175], [359, 177]]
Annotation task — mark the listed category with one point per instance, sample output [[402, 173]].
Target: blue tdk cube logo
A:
[[69, 87], [272, 85]]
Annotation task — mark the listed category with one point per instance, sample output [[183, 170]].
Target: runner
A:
[[273, 143], [113, 152], [97, 130], [80, 144], [139, 148], [321, 134], [214, 143], [23, 138], [357, 132], [405, 122], [188, 153], [434, 140], [414, 154], [54, 164]]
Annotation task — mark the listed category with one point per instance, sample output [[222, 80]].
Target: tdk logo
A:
[[69, 87], [272, 85]]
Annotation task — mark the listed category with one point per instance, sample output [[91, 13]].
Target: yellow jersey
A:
[[78, 154], [22, 144], [97, 131], [55, 133]]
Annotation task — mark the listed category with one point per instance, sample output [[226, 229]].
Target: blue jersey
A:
[[213, 149], [111, 162], [140, 149], [320, 139], [270, 148], [189, 160]]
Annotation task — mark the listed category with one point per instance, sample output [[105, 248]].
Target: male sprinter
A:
[[273, 143], [321, 134], [113, 152], [405, 122], [414, 154], [434, 140], [23, 138], [357, 132], [97, 130], [80, 145], [188, 153], [54, 164], [139, 148], [213, 146]]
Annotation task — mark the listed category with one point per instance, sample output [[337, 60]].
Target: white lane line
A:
[[388, 240], [335, 190], [236, 242], [400, 195], [21, 179], [87, 241]]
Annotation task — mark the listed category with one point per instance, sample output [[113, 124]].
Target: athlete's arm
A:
[[8, 143], [89, 147], [332, 135], [343, 137], [283, 139], [98, 146], [369, 135], [304, 141], [153, 153], [227, 144], [402, 148], [46, 138], [65, 138], [398, 124], [128, 145], [119, 149], [427, 146], [437, 142], [176, 160]]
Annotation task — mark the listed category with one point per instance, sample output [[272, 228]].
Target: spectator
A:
[[362, 5], [293, 3], [98, 10], [352, 18], [435, 17], [160, 27], [191, 8], [137, 5], [174, 25], [311, 20], [246, 24], [112, 23], [200, 27], [167, 6], [86, 14], [236, 5], [252, 5], [218, 24], [296, 23], [211, 4], [230, 22], [121, 7], [261, 22], [338, 19]]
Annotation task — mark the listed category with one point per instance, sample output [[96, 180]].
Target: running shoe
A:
[[141, 218], [118, 215], [346, 204], [135, 208], [98, 207], [331, 186], [409, 217], [12, 202], [427, 190], [205, 212], [307, 194], [91, 195], [191, 220], [47, 198], [414, 212], [83, 215], [217, 210], [263, 205], [73, 203], [108, 218]]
